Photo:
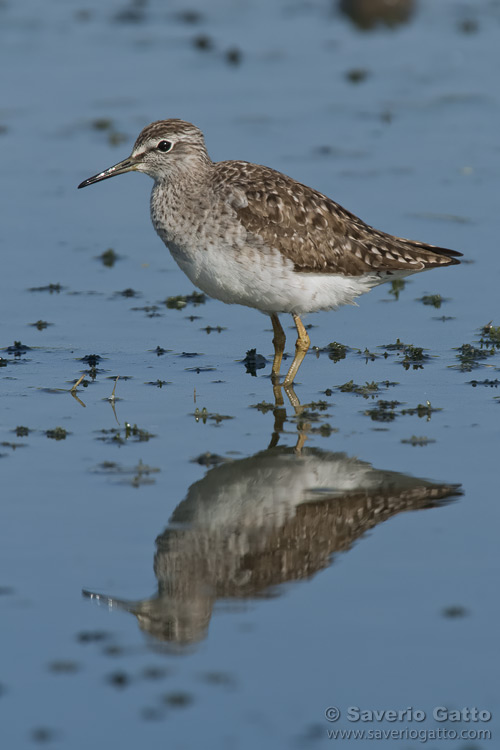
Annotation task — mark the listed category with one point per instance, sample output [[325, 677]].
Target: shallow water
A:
[[173, 572]]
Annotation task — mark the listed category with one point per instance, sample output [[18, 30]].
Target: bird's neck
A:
[[191, 177], [176, 197]]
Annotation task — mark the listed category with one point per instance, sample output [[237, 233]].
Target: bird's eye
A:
[[164, 146]]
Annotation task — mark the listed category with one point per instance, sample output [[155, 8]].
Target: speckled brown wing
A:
[[316, 234]]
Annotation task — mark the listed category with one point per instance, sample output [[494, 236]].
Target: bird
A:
[[247, 234]]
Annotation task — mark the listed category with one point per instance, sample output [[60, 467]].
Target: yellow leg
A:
[[279, 345], [302, 345]]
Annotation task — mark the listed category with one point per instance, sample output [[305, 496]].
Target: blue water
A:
[[243, 594]]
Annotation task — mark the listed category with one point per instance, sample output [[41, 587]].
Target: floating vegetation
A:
[[357, 75], [91, 359], [370, 356], [398, 346], [209, 329], [311, 412], [189, 16], [254, 362], [368, 15], [234, 56], [119, 679], [489, 383], [468, 26], [140, 474], [58, 433], [159, 383], [434, 300], [470, 357], [367, 390], [324, 430], [128, 293], [203, 42], [150, 310], [63, 666], [122, 377], [22, 431], [411, 356], [414, 440], [160, 351], [106, 125], [92, 636], [44, 735], [178, 699], [316, 406], [115, 138], [108, 258], [181, 300], [336, 351], [454, 611], [134, 13], [102, 123], [197, 370], [414, 357], [17, 349], [6, 444], [384, 411], [51, 288], [397, 287], [422, 410], [137, 433], [265, 406], [129, 433], [40, 325], [203, 415], [155, 673], [490, 336]]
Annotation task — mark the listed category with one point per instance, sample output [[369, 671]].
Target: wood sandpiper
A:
[[246, 234]]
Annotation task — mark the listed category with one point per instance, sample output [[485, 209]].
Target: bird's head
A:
[[163, 149]]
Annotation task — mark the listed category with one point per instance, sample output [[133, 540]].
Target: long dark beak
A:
[[127, 165]]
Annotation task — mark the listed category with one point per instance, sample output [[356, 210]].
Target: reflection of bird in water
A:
[[369, 13], [252, 524]]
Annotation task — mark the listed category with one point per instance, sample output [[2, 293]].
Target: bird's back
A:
[[312, 231]]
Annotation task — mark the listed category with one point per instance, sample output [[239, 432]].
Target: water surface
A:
[[245, 587]]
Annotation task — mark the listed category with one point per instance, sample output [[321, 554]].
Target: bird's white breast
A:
[[220, 257]]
